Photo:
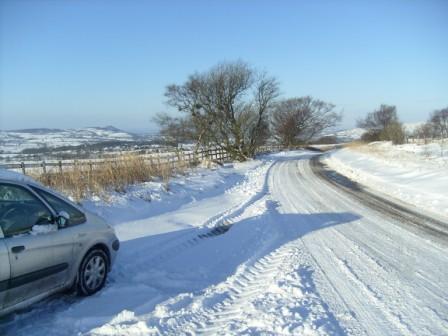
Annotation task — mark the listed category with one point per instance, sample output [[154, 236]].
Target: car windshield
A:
[[20, 210]]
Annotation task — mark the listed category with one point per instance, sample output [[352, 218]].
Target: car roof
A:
[[28, 181], [7, 176], [12, 176]]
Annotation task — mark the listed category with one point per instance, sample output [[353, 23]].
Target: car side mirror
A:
[[62, 219]]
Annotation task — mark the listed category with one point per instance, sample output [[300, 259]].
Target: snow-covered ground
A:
[[416, 174], [263, 247]]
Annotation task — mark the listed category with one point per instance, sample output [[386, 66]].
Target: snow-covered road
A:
[[280, 253]]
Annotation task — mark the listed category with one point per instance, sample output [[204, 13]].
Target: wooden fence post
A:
[[44, 168], [179, 162]]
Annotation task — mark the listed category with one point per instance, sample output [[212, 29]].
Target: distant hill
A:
[[109, 128], [15, 141], [37, 130], [348, 134]]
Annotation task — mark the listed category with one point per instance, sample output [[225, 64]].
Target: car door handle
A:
[[80, 235], [17, 249]]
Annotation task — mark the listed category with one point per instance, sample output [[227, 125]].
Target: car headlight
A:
[[116, 245]]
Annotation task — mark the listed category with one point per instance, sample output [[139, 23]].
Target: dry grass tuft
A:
[[87, 179], [354, 144]]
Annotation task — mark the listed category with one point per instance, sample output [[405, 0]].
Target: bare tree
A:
[[176, 130], [394, 132], [379, 119], [383, 124], [228, 106], [439, 119], [298, 120], [425, 132]]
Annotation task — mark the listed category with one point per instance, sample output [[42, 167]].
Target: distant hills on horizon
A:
[[14, 141], [42, 130]]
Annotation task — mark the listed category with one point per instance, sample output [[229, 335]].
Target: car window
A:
[[76, 216], [20, 210]]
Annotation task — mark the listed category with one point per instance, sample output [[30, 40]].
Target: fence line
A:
[[158, 159]]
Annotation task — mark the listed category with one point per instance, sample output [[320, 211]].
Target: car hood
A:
[[97, 221]]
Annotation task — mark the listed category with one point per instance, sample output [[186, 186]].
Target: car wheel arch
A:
[[98, 246], [102, 247], [79, 285]]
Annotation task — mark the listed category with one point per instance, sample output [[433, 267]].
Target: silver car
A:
[[49, 244]]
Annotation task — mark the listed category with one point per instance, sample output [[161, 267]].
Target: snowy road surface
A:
[[281, 252]]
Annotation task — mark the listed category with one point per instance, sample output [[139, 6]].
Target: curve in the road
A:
[[392, 208]]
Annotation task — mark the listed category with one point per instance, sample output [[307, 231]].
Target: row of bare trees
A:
[[435, 128], [236, 107], [383, 124]]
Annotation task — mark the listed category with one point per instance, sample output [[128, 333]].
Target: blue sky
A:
[[75, 63]]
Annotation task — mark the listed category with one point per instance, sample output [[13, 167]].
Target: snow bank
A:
[[146, 208], [416, 174]]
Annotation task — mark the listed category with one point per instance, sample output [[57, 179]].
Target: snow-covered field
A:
[[416, 174], [262, 247], [16, 141]]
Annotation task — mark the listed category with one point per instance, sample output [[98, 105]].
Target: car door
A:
[[4, 269], [30, 239], [69, 236]]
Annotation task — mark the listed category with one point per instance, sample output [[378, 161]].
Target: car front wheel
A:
[[92, 272]]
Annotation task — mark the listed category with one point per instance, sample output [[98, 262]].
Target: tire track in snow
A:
[[366, 267], [224, 219], [188, 320], [336, 300], [229, 306], [248, 284], [218, 223], [389, 270], [244, 288], [393, 293], [374, 296]]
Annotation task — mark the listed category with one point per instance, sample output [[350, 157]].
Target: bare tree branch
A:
[[298, 120], [228, 106]]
